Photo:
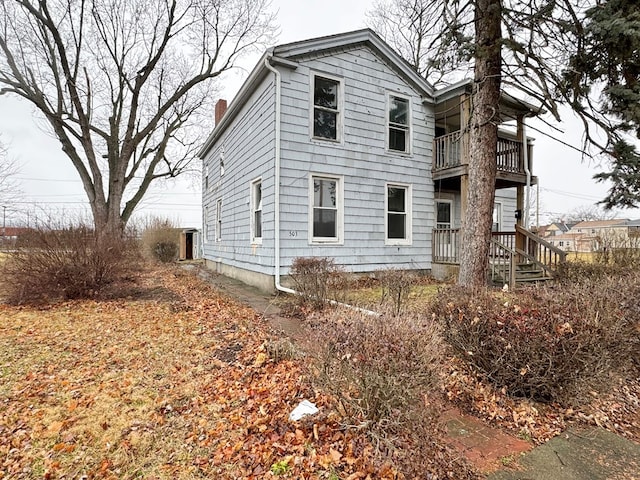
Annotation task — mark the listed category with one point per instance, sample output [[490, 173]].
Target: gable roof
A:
[[287, 54], [366, 36]]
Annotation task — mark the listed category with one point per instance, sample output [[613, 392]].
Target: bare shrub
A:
[[549, 344], [67, 263], [396, 286], [161, 240], [384, 373], [378, 367], [318, 280]]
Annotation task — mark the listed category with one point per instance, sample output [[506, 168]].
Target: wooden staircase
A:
[[522, 257]]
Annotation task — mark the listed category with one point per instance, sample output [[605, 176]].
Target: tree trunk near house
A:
[[477, 221]]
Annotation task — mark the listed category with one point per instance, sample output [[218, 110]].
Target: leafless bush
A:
[[161, 240], [67, 263], [318, 280], [384, 373], [396, 286], [378, 367], [549, 344]]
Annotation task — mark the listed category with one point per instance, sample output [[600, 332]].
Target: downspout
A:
[[279, 287]]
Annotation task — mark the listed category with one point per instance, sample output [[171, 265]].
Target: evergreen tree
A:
[[609, 59]]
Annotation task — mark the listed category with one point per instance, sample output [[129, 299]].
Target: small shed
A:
[[190, 244]]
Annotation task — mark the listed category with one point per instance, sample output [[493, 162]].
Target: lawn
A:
[[176, 381], [173, 382]]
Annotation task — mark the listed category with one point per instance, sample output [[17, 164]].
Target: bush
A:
[[67, 263], [161, 241], [384, 373], [318, 280], [378, 367], [396, 286], [548, 344]]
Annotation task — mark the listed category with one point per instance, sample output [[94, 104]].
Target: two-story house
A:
[[335, 147]]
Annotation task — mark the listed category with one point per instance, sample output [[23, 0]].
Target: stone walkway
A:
[[593, 454]]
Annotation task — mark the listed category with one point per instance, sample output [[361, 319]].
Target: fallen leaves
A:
[[175, 384], [617, 411]]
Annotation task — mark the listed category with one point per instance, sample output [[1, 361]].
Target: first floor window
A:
[[443, 214], [256, 211], [205, 224], [398, 213], [219, 220], [326, 204]]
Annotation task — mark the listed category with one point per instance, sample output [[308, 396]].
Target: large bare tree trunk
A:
[[476, 224]]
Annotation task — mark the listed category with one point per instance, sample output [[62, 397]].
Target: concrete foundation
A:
[[263, 282], [445, 271]]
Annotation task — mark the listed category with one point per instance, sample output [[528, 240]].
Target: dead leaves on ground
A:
[[159, 389], [617, 410]]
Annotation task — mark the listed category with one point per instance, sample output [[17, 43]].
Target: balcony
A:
[[450, 161]]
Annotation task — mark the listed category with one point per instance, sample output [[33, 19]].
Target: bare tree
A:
[[126, 85], [412, 28], [586, 213]]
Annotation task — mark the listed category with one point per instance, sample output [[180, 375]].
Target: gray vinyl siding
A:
[[360, 159], [249, 151]]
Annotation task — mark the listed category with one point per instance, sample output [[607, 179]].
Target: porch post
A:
[[465, 116], [520, 194]]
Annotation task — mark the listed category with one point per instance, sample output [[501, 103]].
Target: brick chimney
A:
[[221, 108]]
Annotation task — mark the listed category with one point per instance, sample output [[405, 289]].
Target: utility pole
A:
[[4, 220]]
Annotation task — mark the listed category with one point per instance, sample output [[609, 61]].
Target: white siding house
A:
[[327, 150]]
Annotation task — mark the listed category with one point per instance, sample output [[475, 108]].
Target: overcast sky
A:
[[50, 182]]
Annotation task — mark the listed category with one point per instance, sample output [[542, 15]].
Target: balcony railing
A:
[[446, 245], [448, 153]]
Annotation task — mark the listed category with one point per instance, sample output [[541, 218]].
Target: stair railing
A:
[[502, 263], [537, 250]]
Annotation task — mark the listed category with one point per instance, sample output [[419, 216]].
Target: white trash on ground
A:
[[303, 409]]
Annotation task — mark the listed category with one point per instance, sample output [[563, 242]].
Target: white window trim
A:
[[408, 212], [409, 126], [500, 215], [340, 116], [451, 215], [252, 198], [339, 206], [218, 225]]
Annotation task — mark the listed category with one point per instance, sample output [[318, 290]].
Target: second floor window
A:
[[398, 124], [326, 108]]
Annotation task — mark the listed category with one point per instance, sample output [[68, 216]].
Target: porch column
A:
[[465, 116], [520, 193]]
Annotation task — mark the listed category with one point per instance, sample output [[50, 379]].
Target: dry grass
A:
[[154, 387]]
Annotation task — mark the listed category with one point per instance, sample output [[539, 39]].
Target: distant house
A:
[[336, 147], [594, 235], [9, 235]]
